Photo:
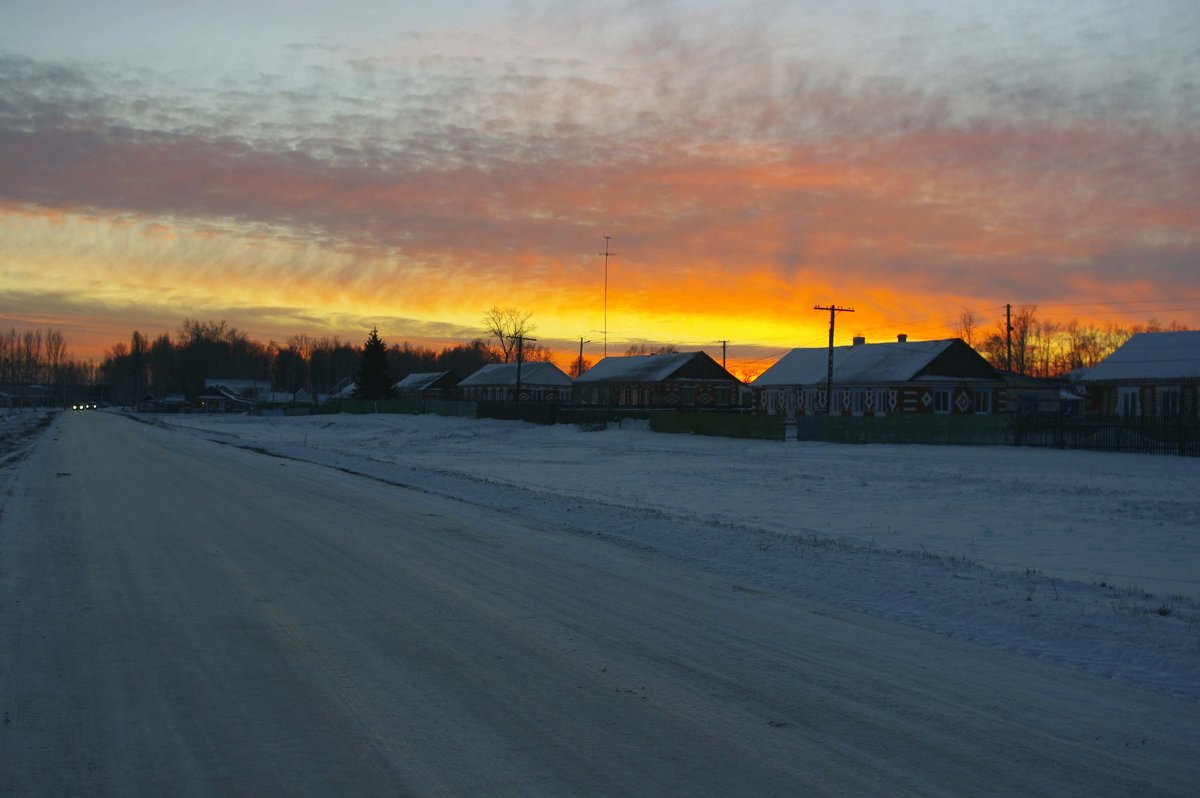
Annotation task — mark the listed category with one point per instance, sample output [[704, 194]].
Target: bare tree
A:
[[579, 366], [56, 360], [1024, 345], [651, 349], [507, 326], [965, 328], [31, 357]]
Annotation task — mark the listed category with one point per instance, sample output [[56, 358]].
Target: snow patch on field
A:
[[1086, 559]]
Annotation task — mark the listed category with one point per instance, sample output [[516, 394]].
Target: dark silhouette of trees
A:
[[579, 366], [331, 364], [650, 349], [465, 359], [374, 380]]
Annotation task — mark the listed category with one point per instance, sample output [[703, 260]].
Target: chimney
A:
[[902, 338], [859, 340]]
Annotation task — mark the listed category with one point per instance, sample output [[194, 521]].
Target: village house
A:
[[539, 381], [945, 376], [1151, 374], [219, 399], [427, 385], [683, 380]]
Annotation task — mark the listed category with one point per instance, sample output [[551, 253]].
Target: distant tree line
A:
[[1046, 348], [30, 358], [214, 350]]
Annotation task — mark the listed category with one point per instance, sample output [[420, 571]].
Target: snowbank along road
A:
[[184, 618]]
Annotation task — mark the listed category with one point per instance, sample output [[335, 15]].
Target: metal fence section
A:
[[728, 425], [450, 407], [533, 412], [360, 406], [1179, 436]]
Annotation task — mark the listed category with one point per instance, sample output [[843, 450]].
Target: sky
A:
[[325, 167]]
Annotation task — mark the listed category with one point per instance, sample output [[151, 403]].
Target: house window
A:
[[879, 400], [982, 401], [1168, 400], [1127, 402], [722, 396], [941, 400]]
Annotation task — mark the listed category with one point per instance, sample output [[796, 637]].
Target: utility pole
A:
[[833, 311], [723, 344], [521, 339], [606, 255], [1009, 330], [579, 367]]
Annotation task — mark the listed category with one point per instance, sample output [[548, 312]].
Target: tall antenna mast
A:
[[606, 255]]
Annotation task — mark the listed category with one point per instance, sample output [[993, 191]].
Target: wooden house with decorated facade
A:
[[879, 379], [1151, 374], [680, 380]]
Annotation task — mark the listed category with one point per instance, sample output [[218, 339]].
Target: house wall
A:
[[669, 394], [883, 400], [1105, 398], [507, 393]]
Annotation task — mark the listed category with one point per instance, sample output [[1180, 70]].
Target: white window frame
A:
[[1167, 400], [881, 402], [981, 401], [943, 399], [857, 401], [1129, 401], [812, 401]]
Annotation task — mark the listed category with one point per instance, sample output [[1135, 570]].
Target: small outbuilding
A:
[[1151, 374], [538, 381], [945, 376], [681, 380], [427, 385]]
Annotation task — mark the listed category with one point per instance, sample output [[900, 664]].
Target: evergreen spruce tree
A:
[[374, 382]]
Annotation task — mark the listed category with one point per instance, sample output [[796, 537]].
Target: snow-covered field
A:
[[1090, 560]]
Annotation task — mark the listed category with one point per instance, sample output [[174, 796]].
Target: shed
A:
[[427, 385]]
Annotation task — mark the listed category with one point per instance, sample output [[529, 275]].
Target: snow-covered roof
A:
[[1148, 356], [637, 368], [417, 382], [857, 364], [533, 373]]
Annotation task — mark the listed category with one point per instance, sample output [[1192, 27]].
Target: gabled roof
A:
[[654, 368], [421, 381], [534, 373], [1148, 356], [861, 364], [219, 392]]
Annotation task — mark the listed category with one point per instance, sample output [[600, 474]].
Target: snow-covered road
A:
[[179, 617]]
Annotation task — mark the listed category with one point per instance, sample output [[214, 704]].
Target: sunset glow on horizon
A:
[[316, 171]]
